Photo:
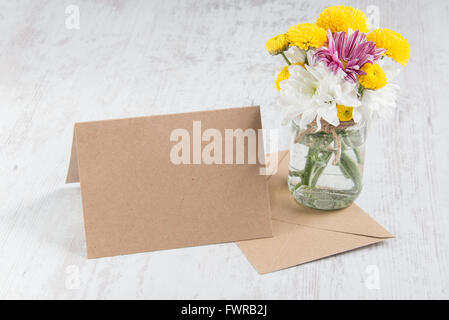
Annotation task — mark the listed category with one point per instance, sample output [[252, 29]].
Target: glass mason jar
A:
[[316, 178]]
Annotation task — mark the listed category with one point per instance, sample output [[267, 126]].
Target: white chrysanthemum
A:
[[377, 103], [390, 67], [296, 55], [314, 92]]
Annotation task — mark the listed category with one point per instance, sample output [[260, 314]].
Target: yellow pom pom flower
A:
[[344, 113], [342, 18], [278, 44], [396, 45], [375, 78], [284, 75], [307, 35]]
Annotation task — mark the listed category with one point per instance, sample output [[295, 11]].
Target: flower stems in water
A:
[[351, 170], [318, 157], [314, 180], [320, 170]]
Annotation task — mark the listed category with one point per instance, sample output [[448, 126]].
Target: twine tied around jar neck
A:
[[327, 128]]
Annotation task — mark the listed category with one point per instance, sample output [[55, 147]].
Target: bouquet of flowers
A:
[[337, 80]]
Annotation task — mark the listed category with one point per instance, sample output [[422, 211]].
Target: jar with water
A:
[[326, 168]]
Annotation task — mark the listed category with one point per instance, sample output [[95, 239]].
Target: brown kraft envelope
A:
[[135, 199], [301, 235]]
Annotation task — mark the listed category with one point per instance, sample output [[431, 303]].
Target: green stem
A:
[[350, 168], [316, 162], [320, 170], [286, 60], [295, 173], [346, 143], [310, 163], [308, 168], [358, 155]]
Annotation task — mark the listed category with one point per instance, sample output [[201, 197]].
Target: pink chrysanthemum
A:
[[348, 52]]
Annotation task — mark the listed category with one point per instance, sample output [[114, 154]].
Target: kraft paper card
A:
[[136, 199], [302, 235]]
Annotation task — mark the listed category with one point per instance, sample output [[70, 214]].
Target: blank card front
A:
[[153, 183]]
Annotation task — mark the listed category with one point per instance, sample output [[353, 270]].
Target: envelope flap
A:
[[351, 220], [294, 244]]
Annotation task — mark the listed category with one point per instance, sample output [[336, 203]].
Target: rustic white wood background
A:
[[134, 58]]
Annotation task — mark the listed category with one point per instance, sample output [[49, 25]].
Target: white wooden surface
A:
[[133, 58]]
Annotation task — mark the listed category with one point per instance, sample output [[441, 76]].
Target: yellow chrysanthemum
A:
[[307, 35], [375, 78], [277, 44], [341, 18], [344, 113], [284, 75], [396, 45]]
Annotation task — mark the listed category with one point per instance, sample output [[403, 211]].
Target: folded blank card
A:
[[135, 199]]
